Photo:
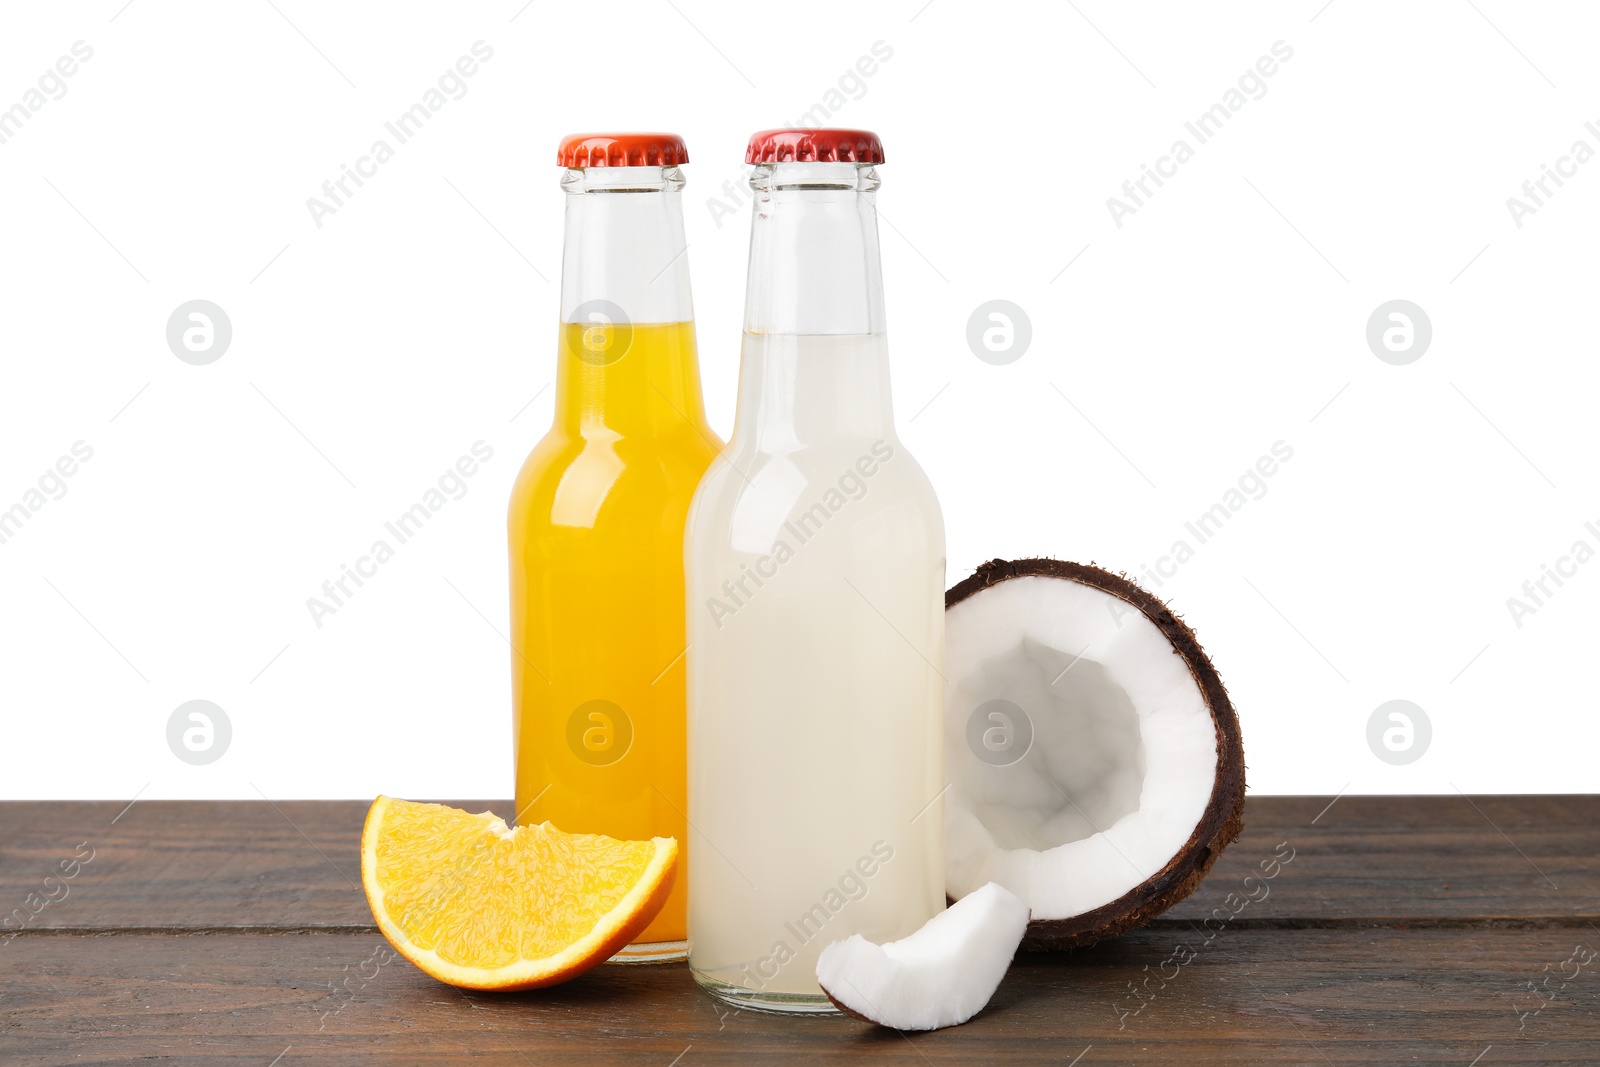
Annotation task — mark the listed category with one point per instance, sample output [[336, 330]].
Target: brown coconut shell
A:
[[847, 1010], [1224, 815]]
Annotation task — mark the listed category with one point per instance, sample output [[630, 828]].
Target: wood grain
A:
[[1402, 930], [1259, 996], [294, 864]]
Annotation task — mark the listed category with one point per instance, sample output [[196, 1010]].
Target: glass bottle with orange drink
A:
[[597, 518]]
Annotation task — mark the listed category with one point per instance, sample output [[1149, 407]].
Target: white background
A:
[[1227, 314]]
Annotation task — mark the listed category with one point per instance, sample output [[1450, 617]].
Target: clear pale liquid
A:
[[597, 621], [815, 695]]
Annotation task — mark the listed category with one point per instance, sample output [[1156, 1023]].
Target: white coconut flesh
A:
[[1123, 755], [942, 975]]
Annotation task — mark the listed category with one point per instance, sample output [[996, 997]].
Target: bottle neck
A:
[[627, 350], [815, 366], [814, 266]]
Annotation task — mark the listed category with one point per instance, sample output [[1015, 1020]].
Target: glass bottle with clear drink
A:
[[597, 517], [815, 569]]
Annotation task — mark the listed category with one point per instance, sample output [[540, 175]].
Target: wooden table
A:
[[1449, 930]]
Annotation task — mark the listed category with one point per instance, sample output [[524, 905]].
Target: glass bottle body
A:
[[815, 565], [596, 533]]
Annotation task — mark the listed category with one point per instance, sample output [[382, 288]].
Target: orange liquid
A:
[[597, 592]]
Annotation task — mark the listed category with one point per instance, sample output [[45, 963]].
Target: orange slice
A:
[[476, 904]]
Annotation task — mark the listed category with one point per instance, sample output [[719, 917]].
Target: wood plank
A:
[[293, 864], [1252, 996]]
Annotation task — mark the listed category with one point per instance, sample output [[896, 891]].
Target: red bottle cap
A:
[[580, 150], [814, 146]]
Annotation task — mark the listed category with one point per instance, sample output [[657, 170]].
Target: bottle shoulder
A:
[[688, 448], [597, 476], [867, 478], [870, 456]]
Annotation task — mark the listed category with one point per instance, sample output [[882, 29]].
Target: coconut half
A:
[[940, 976], [1095, 762]]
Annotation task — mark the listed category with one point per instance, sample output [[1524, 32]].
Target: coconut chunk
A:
[[942, 975]]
